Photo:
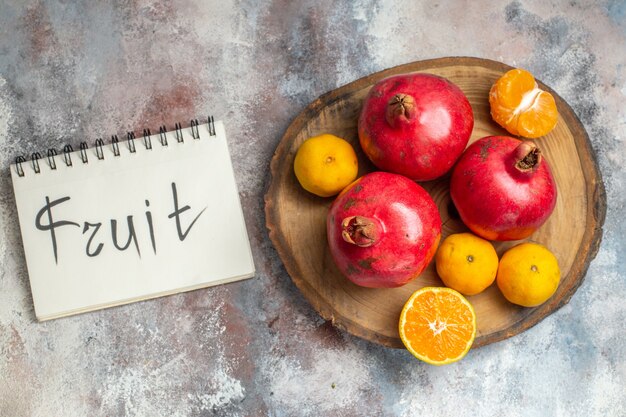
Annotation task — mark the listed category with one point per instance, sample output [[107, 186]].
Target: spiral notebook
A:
[[129, 220]]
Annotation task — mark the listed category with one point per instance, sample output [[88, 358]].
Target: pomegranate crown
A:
[[360, 231], [400, 109]]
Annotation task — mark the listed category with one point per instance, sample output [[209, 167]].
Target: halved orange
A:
[[437, 325], [520, 106]]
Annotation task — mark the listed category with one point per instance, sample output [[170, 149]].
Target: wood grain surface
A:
[[296, 218]]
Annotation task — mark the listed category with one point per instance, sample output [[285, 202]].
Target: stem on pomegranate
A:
[[400, 109], [360, 231], [527, 156]]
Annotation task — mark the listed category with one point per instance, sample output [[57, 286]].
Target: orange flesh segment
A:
[[512, 87], [540, 117], [439, 326]]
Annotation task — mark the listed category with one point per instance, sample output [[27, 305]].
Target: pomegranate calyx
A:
[[400, 108], [527, 156], [360, 231]]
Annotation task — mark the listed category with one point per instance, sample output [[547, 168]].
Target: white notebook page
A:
[[189, 230]]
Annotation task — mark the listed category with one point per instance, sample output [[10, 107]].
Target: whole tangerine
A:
[[325, 164]]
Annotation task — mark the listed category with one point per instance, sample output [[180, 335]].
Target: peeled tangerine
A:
[[503, 188], [383, 230], [520, 106]]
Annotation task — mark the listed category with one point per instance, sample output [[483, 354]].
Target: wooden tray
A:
[[296, 219]]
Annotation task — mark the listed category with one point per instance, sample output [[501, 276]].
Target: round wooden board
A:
[[296, 219]]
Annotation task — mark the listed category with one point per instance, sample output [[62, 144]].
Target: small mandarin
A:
[[325, 164], [466, 263], [528, 274]]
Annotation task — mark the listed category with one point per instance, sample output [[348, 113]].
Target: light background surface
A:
[[71, 71]]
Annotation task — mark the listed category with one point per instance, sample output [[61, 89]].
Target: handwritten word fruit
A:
[[466, 263], [325, 164], [54, 219], [383, 230], [503, 188], [520, 106], [437, 325], [528, 274], [416, 125]]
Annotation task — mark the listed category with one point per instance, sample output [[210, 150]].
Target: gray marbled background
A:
[[71, 71]]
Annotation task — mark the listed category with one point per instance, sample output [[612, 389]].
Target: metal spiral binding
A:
[[34, 159], [99, 145], [115, 143], [130, 139], [99, 149], [163, 135], [18, 164], [51, 154], [179, 133], [195, 133], [211, 122], [67, 150], [146, 137], [83, 152]]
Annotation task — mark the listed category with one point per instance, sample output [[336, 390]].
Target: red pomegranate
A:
[[383, 229], [503, 188], [416, 125]]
